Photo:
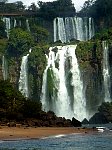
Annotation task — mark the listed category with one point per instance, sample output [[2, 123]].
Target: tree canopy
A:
[[97, 8], [56, 8], [13, 105], [47, 10], [20, 41]]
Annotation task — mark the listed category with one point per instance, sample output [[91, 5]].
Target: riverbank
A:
[[13, 133]]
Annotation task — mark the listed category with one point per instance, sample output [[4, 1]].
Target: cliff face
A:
[[90, 55], [36, 65]]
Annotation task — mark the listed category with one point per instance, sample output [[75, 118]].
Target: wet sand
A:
[[14, 133]]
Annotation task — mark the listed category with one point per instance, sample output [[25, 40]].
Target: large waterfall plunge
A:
[[106, 73], [23, 80], [73, 28], [65, 98]]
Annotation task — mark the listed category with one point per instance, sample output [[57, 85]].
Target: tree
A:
[[33, 7], [40, 34], [19, 6], [50, 10], [20, 42], [97, 8], [13, 104]]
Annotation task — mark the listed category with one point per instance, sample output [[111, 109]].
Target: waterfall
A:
[[55, 30], [23, 80], [8, 25], [15, 23], [4, 68], [61, 30], [79, 103], [27, 25], [69, 28], [58, 98], [106, 73]]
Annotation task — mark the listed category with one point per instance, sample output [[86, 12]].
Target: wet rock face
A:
[[76, 123], [98, 118], [93, 85], [49, 119], [90, 57], [12, 72], [85, 121]]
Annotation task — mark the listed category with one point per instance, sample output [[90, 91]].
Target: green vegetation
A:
[[52, 85], [13, 106], [105, 34], [37, 63], [100, 10], [20, 42], [97, 8], [11, 7], [46, 10], [89, 52], [40, 34], [3, 46], [50, 10]]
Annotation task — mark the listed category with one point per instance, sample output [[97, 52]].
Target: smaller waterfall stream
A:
[[106, 73], [7, 24], [59, 99], [23, 80], [27, 25], [4, 68]]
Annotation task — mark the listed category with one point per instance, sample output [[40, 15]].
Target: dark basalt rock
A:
[[48, 119], [98, 118], [76, 123], [85, 121]]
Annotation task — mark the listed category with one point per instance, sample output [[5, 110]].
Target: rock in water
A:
[[76, 123], [98, 118]]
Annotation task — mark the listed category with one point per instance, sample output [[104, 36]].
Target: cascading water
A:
[[79, 101], [15, 23], [8, 25], [23, 80], [73, 28], [27, 25], [59, 99], [4, 68], [106, 73]]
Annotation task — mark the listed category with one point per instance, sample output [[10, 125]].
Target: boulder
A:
[[76, 123], [98, 118], [85, 121]]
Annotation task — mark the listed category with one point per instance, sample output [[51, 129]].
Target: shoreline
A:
[[27, 133]]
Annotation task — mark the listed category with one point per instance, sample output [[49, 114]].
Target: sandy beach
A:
[[13, 133]]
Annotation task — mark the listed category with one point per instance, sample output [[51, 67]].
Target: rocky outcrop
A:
[[90, 62], [76, 123], [43, 119], [98, 118], [85, 121]]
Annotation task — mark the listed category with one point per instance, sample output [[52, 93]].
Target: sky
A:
[[77, 3]]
